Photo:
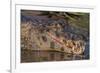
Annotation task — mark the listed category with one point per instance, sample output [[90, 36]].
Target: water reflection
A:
[[47, 55]]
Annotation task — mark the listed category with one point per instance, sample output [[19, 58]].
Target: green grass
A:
[[82, 21]]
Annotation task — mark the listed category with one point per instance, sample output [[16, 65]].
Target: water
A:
[[48, 55]]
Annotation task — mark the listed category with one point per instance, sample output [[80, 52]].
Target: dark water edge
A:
[[28, 56]]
